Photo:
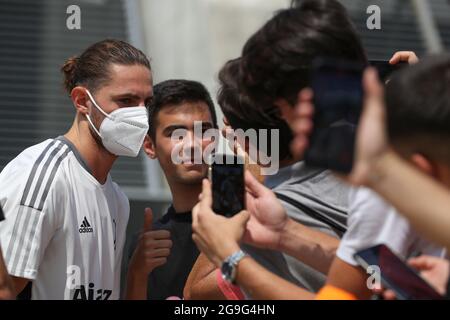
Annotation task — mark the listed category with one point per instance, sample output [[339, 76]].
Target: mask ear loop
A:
[[100, 109]]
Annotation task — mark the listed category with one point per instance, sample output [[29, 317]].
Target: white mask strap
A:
[[95, 104], [100, 109], [92, 125]]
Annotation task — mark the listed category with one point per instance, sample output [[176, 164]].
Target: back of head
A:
[[176, 92], [240, 112], [276, 60], [418, 108]]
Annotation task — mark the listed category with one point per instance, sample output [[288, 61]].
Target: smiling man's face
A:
[[171, 119]]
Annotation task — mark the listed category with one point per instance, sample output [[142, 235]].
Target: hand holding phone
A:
[[396, 274], [228, 188], [385, 69]]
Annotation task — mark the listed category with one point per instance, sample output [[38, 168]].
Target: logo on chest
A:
[[85, 226]]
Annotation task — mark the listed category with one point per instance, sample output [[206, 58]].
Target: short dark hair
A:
[[418, 107], [175, 92], [240, 112], [277, 59]]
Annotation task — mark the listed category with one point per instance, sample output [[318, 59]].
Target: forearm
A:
[[6, 284], [136, 287], [418, 197], [261, 284], [206, 288], [201, 283], [312, 247]]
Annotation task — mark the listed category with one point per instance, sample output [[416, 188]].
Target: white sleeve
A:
[[371, 221], [27, 197]]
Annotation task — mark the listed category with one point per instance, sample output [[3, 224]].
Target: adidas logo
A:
[[85, 226]]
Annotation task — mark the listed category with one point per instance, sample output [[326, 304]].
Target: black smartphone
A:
[[338, 99], [396, 274], [226, 174], [385, 69]]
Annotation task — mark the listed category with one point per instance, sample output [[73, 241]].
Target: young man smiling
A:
[[164, 253]]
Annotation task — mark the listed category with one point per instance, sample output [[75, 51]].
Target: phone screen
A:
[[396, 274], [385, 69], [228, 188], [338, 96]]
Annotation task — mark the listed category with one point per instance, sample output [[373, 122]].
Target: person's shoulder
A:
[[363, 198], [28, 157], [316, 187], [31, 162], [29, 179]]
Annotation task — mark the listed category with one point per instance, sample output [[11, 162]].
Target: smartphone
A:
[[385, 69], [396, 274], [226, 174], [338, 99]]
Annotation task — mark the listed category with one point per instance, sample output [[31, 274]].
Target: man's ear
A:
[[80, 99], [286, 109], [424, 164], [149, 147]]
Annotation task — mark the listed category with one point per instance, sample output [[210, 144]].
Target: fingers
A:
[[156, 262], [157, 253], [420, 263], [159, 239], [372, 85], [148, 219], [305, 106], [298, 145], [408, 56], [374, 102], [206, 197], [241, 218], [305, 94], [157, 235], [304, 114], [151, 244], [253, 185], [389, 295]]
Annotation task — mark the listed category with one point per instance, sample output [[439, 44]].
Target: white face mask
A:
[[123, 130]]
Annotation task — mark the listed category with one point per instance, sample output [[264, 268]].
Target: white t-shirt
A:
[[63, 229], [371, 221]]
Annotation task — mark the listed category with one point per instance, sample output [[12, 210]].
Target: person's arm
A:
[[262, 284], [415, 195], [201, 283], [314, 248], [152, 251], [423, 201], [219, 243], [270, 227], [7, 291], [354, 281]]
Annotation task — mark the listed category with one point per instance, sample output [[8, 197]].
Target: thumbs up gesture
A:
[[152, 249]]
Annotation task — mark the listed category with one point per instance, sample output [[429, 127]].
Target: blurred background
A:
[[188, 39]]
